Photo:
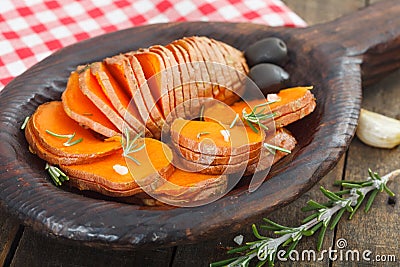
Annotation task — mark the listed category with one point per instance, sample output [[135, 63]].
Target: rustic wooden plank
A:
[[9, 226], [38, 250], [317, 11], [377, 231]]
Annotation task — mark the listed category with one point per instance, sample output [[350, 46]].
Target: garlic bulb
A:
[[378, 130]]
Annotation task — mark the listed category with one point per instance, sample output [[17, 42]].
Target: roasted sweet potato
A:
[[154, 168], [183, 187], [121, 69], [81, 109], [291, 101], [73, 141], [91, 88], [118, 98], [241, 139], [156, 113]]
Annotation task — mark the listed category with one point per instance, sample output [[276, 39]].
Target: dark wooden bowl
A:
[[334, 57]]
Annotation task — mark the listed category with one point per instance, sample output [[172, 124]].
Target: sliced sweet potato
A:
[[36, 147], [291, 100], [183, 187], [118, 98], [213, 159], [121, 69], [81, 109], [154, 168], [50, 118], [91, 88], [294, 116], [174, 78], [204, 90], [241, 140], [154, 110], [192, 96], [154, 71], [284, 139]]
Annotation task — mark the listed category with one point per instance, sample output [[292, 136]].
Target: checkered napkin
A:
[[32, 30]]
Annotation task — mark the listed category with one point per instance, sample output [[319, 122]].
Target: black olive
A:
[[268, 50], [268, 77]]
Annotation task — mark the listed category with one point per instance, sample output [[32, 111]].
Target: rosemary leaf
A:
[[234, 121], [201, 115], [337, 218], [309, 218], [291, 247], [371, 199], [359, 201], [388, 191], [25, 122], [321, 237], [266, 145], [275, 224], [251, 126], [256, 233], [202, 133], [332, 196], [223, 262], [261, 263], [238, 250]]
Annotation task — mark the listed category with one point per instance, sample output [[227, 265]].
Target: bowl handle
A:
[[371, 35]]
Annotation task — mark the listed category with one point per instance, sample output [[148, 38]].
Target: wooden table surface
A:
[[377, 231]]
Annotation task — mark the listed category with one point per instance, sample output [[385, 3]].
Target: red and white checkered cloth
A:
[[32, 30]]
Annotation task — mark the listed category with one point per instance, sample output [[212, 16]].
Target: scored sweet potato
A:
[[91, 88], [50, 119], [156, 113], [118, 175], [81, 109], [121, 69], [292, 100], [154, 71], [118, 98], [241, 139]]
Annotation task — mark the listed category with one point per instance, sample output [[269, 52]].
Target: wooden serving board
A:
[[336, 58]]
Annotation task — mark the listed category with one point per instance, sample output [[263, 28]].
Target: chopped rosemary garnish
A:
[[56, 174], [202, 133], [327, 215], [257, 116], [131, 146], [25, 122], [272, 148], [234, 121], [69, 142]]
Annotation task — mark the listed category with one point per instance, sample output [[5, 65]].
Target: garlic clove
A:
[[377, 130]]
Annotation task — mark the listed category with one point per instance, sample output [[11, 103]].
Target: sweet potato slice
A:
[[291, 100], [213, 159], [50, 118], [154, 168], [183, 187], [241, 140], [154, 110], [91, 88], [294, 116], [154, 71], [36, 147], [284, 139], [121, 69], [81, 109], [118, 98]]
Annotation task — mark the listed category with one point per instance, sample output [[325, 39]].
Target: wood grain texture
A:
[[38, 250], [9, 226]]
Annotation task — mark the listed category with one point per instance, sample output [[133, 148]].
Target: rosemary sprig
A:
[[265, 248], [272, 148], [25, 122], [258, 114], [69, 142], [130, 146], [56, 174]]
